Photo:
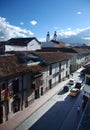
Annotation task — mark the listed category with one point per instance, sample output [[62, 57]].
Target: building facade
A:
[[22, 44]]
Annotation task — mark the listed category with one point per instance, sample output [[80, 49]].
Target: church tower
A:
[[47, 37], [55, 36]]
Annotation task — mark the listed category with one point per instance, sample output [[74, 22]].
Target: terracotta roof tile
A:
[[20, 41], [9, 65], [52, 57]]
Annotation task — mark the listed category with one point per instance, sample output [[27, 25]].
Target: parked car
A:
[[66, 88], [78, 85], [74, 92], [71, 82], [83, 72]]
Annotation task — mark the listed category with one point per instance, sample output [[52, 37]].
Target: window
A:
[[50, 71], [66, 64]]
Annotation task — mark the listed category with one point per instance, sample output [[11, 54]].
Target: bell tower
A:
[[47, 37], [55, 36]]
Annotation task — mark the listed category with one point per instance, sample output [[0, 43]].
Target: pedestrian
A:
[[78, 109], [68, 76]]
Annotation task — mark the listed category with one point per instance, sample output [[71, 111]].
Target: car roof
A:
[[71, 80], [79, 81], [74, 89], [67, 85]]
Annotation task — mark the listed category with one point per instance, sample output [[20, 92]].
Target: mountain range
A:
[[81, 38]]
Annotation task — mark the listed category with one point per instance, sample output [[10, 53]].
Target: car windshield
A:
[[78, 84], [87, 80], [74, 90], [71, 81]]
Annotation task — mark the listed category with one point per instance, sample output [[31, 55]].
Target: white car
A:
[[71, 82]]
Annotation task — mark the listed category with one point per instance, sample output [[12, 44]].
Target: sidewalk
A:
[[21, 116]]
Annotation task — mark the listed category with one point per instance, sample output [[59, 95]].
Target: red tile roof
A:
[[52, 57], [20, 41], [9, 65]]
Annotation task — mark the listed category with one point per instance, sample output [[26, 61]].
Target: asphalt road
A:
[[61, 116], [59, 113]]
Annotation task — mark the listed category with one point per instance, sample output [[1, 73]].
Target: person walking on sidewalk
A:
[[78, 109]]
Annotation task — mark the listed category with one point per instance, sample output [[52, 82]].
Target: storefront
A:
[[4, 101], [10, 98], [37, 85]]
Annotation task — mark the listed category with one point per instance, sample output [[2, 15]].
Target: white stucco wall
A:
[[15, 48], [55, 73], [33, 45], [47, 44], [55, 70], [63, 69], [46, 78], [87, 87]]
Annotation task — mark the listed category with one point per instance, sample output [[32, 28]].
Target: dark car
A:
[[66, 88], [83, 72], [78, 85]]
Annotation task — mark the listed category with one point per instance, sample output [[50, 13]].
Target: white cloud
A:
[[66, 33], [69, 32], [33, 22], [69, 29], [86, 38], [21, 23], [79, 13], [8, 31]]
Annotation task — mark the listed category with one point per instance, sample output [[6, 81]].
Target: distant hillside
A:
[[80, 38]]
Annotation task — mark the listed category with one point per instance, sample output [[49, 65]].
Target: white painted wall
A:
[[46, 78], [63, 71], [55, 73], [15, 48], [87, 87], [33, 45], [55, 70], [47, 44]]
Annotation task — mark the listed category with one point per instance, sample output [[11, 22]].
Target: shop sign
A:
[[5, 95], [2, 95]]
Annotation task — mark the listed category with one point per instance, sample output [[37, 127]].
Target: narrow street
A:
[[55, 110], [59, 113]]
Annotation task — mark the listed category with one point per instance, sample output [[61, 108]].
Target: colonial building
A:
[[87, 81], [25, 76], [22, 44], [78, 56], [54, 42], [84, 123], [58, 68], [13, 85]]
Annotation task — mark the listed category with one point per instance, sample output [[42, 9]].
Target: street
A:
[[61, 116], [58, 113]]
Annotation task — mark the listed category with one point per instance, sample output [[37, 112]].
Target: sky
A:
[[34, 18]]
